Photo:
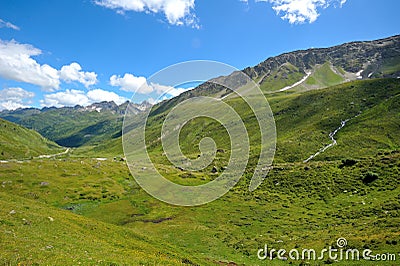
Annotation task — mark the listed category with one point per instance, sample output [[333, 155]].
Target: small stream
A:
[[331, 136]]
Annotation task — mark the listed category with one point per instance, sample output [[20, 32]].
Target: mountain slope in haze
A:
[[17, 142], [74, 126]]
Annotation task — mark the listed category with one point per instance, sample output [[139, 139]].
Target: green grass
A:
[[305, 120], [109, 149], [323, 76], [298, 205], [286, 75], [17, 142], [391, 65], [33, 233]]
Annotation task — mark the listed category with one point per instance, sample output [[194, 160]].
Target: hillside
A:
[[304, 121], [17, 142]]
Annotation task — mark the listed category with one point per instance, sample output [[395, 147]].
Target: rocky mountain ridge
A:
[[365, 58]]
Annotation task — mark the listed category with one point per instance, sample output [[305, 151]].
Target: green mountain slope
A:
[[17, 142], [304, 121], [285, 75], [350, 190], [68, 126], [323, 76]]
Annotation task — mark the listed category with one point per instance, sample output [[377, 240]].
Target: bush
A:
[[347, 162], [370, 177]]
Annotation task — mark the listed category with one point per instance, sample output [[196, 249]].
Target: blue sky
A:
[[69, 52]]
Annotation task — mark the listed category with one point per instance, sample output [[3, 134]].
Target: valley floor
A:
[[92, 212]]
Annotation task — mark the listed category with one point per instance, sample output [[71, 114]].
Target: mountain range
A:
[[297, 71], [74, 126]]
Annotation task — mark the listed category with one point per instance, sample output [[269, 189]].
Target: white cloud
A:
[[140, 85], [65, 98], [177, 12], [301, 11], [130, 83], [78, 97], [73, 72], [99, 95], [16, 63], [14, 98], [10, 105], [6, 24], [162, 89]]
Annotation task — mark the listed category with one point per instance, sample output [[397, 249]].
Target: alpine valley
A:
[[68, 198]]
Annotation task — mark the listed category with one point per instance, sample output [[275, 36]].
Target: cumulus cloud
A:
[[301, 11], [77, 97], [65, 98], [140, 85], [162, 89], [17, 63], [99, 95], [6, 24], [73, 72], [14, 98], [130, 83], [177, 12]]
